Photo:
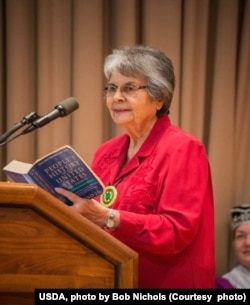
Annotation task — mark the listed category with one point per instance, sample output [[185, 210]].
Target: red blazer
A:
[[166, 203]]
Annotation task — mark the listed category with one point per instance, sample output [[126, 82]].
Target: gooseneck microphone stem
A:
[[29, 118]]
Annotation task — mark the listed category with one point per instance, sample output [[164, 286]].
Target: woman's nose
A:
[[119, 94], [247, 240]]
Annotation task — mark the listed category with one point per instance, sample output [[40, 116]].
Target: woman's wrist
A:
[[112, 220]]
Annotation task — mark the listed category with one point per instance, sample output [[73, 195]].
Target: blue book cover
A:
[[61, 168]]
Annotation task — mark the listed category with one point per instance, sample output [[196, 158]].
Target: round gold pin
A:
[[109, 196]]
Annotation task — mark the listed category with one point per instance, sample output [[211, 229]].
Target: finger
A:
[[71, 196]]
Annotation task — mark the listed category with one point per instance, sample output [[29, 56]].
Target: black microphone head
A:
[[67, 106]]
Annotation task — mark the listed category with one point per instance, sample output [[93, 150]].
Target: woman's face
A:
[[242, 244], [134, 108]]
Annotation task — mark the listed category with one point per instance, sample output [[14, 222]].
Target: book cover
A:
[[60, 168]]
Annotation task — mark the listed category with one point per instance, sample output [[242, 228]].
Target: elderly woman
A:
[[239, 276], [159, 198]]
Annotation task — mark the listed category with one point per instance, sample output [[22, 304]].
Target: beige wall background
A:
[[53, 49]]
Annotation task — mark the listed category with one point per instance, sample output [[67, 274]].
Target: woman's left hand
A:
[[90, 208]]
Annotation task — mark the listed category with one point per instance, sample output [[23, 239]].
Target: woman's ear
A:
[[159, 105]]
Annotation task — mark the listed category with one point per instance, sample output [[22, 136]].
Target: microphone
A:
[[29, 118], [64, 108]]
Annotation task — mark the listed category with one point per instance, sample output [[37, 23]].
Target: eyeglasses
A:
[[127, 90]]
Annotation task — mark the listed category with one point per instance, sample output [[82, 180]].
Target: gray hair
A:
[[152, 64]]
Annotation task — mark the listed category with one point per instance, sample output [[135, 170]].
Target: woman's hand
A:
[[89, 208]]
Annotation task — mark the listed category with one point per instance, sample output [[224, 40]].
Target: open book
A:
[[60, 168]]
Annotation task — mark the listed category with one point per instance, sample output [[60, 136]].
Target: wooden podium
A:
[[47, 244]]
